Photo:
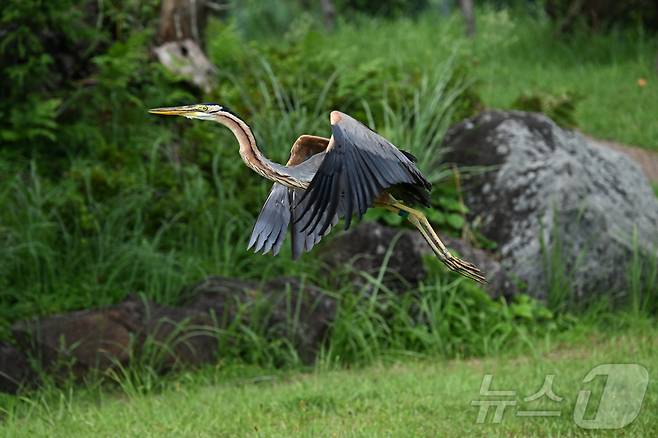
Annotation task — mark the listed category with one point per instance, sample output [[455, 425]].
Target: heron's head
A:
[[203, 111]]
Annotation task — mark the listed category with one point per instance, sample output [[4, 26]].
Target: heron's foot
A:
[[419, 220]]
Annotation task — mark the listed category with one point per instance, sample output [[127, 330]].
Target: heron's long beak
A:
[[172, 110]]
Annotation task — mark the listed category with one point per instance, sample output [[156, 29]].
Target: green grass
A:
[[632, 124], [179, 206], [409, 398], [514, 54], [517, 55]]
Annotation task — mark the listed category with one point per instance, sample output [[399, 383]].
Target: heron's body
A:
[[326, 179]]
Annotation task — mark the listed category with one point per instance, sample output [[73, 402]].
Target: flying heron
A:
[[326, 179]]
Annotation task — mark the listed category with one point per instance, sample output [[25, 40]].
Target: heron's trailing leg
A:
[[418, 219]]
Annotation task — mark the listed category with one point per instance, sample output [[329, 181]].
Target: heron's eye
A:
[[203, 107]]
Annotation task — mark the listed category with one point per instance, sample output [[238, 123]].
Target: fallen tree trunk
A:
[[182, 20], [328, 13], [468, 12]]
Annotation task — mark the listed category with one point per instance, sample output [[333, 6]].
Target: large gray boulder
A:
[[547, 184]]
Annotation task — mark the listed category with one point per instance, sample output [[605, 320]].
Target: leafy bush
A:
[[446, 318], [560, 108], [57, 55], [390, 8], [598, 15], [603, 14]]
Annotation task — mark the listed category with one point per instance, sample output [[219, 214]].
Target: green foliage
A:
[[31, 122], [390, 8], [448, 318], [559, 293], [60, 56], [447, 212], [260, 20], [450, 211], [146, 208], [101, 199], [603, 14], [517, 53], [560, 108], [642, 280], [306, 70], [400, 399], [29, 67]]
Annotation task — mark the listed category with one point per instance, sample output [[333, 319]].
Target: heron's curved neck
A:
[[252, 156]]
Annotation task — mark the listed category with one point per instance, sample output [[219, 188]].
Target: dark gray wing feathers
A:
[[305, 240], [270, 229], [356, 169], [272, 223], [345, 181]]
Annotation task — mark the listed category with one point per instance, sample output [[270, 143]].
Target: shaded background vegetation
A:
[[101, 200]]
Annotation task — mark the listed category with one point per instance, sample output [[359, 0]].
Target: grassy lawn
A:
[[514, 54], [409, 398], [604, 71]]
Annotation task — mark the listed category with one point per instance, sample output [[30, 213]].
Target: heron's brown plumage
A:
[[305, 147]]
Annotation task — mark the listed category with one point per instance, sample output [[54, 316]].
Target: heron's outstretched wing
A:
[[272, 223], [358, 165], [270, 228], [305, 240], [282, 205]]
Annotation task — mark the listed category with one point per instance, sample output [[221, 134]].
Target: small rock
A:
[[15, 371], [287, 308]]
